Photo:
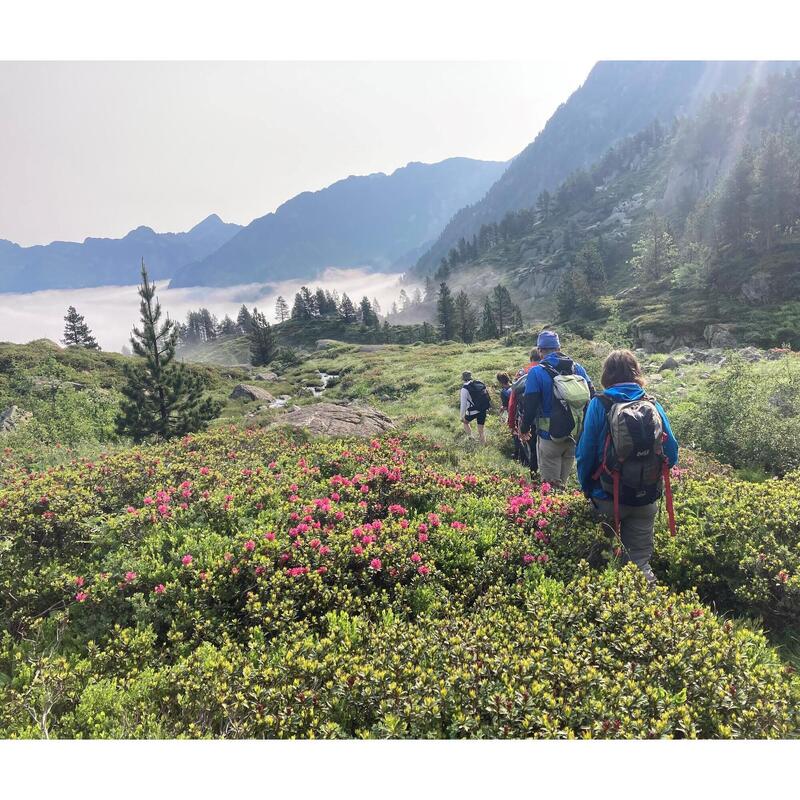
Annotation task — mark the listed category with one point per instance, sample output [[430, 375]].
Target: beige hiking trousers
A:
[[556, 460]]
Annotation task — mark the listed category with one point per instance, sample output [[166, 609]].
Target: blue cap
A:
[[548, 340]]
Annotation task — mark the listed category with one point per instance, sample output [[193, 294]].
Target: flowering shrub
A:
[[248, 583]]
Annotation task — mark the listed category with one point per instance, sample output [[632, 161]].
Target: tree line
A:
[[458, 320]]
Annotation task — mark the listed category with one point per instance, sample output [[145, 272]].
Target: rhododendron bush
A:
[[246, 583]]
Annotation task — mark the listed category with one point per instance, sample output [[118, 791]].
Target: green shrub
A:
[[748, 415], [738, 543], [251, 583]]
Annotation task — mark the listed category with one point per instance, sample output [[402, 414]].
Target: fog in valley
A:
[[111, 311]]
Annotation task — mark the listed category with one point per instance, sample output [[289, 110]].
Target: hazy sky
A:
[[98, 148]]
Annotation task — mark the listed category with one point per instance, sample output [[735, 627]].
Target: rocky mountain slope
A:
[[619, 98]]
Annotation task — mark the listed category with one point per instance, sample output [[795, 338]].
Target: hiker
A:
[[557, 391], [475, 402], [523, 452], [505, 393], [624, 455]]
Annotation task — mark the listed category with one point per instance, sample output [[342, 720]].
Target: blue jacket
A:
[[589, 453], [539, 390]]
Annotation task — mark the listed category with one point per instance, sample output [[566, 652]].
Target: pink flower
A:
[[228, 556], [335, 497], [324, 550], [357, 549], [294, 488], [131, 510], [269, 536], [423, 570], [362, 504], [187, 560], [130, 577], [543, 558], [81, 596], [376, 564], [422, 528], [148, 501], [545, 487], [416, 558], [423, 537], [79, 581], [542, 523], [528, 558], [322, 570], [160, 588], [249, 545], [339, 516], [364, 488], [204, 470], [315, 543]]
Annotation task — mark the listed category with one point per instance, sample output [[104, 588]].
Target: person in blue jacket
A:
[[556, 458], [622, 381]]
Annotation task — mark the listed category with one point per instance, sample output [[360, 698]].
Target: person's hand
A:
[[525, 437]]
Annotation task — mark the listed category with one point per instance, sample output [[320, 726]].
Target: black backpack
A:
[[479, 394], [634, 467]]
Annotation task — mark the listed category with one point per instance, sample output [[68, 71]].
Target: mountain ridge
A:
[[98, 261], [617, 99], [374, 221]]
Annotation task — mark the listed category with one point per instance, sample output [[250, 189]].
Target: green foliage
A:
[[262, 341], [162, 398], [748, 415], [76, 331], [235, 584], [738, 544]]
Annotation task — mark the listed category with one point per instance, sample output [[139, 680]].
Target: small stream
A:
[[326, 378]]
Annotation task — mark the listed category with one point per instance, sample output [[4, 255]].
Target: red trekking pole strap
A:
[[668, 493]]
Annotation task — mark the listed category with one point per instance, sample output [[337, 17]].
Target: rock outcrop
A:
[[248, 392], [329, 419], [11, 418]]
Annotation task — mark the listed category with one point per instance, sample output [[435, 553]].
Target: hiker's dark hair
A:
[[621, 366], [534, 356], [502, 377]]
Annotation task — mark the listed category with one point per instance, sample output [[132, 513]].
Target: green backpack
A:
[[570, 396]]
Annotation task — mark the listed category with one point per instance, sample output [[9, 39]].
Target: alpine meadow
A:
[[549, 490]]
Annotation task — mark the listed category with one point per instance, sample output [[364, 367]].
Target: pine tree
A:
[[655, 255], [488, 329], [227, 326], [76, 331], [281, 309], [446, 312], [244, 320], [262, 341], [347, 311], [368, 316], [161, 397], [466, 320], [502, 308]]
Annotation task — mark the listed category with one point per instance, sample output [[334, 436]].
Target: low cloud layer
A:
[[111, 311]]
